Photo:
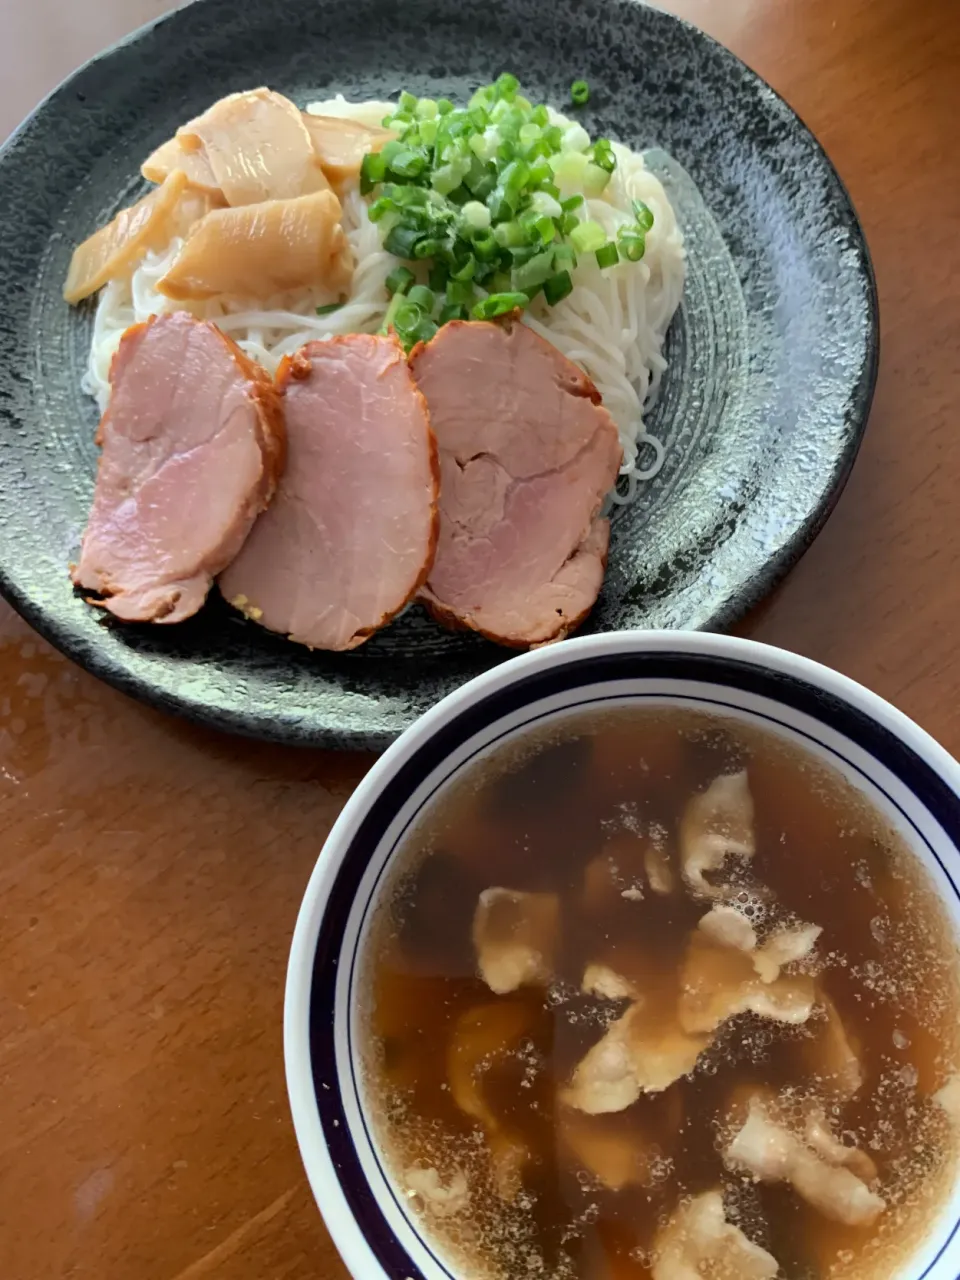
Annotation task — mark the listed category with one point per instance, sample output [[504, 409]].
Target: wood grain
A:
[[150, 872]]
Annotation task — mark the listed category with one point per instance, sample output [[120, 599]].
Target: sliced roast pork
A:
[[351, 534], [527, 455], [192, 449]]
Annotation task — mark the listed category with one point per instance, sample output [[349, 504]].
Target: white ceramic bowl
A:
[[907, 776]]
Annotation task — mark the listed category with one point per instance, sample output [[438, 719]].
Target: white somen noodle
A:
[[612, 324]]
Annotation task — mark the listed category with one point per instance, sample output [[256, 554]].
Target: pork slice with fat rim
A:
[[527, 456], [192, 445], [351, 534]]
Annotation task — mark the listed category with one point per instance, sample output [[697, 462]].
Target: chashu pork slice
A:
[[527, 455], [351, 534], [192, 447]]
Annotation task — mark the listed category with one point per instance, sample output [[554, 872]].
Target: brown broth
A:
[[531, 817]]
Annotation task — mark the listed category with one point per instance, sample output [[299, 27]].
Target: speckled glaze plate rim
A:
[[272, 724]]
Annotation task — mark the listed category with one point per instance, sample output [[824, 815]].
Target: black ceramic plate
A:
[[773, 354]]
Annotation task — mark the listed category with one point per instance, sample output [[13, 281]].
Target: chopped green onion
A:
[[465, 270], [485, 246], [543, 202], [506, 151], [587, 237], [421, 297], [476, 215], [557, 287], [452, 311], [643, 214], [396, 302], [427, 248], [502, 205], [425, 330], [412, 325], [530, 274], [515, 176], [602, 155], [373, 169], [490, 197], [569, 168], [380, 207], [402, 240], [507, 86], [399, 280], [540, 227], [406, 317], [564, 256], [553, 136], [541, 174], [498, 304], [575, 138], [460, 292], [510, 234], [595, 180], [439, 275], [407, 163], [632, 244], [449, 176], [391, 149], [523, 253], [329, 308], [484, 145]]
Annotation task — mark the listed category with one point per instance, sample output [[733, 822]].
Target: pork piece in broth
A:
[[515, 936], [192, 446], [786, 944], [716, 825], [527, 456], [720, 982], [698, 1241], [440, 1199], [604, 982], [351, 534], [947, 1097], [640, 1053], [820, 1169]]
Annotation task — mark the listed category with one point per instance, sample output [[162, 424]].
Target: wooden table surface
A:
[[150, 872]]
